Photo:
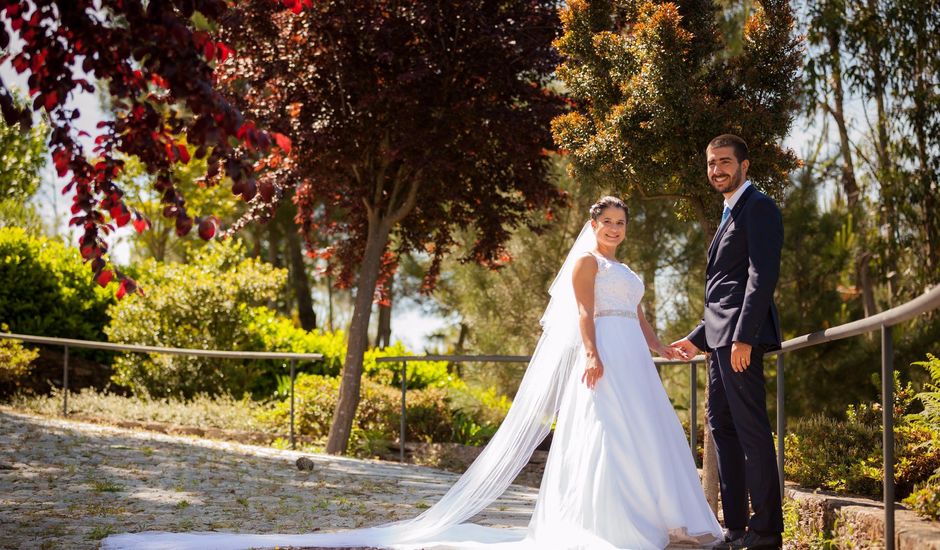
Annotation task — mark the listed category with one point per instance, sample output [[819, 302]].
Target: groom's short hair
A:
[[733, 141]]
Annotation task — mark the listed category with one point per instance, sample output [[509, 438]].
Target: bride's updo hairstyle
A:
[[607, 202]]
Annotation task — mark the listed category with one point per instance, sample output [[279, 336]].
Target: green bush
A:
[[925, 500], [930, 398], [429, 418], [833, 454], [266, 330], [847, 455], [46, 289], [421, 374], [15, 363], [206, 304]]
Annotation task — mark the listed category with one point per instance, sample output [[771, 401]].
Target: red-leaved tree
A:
[[409, 120], [155, 62]]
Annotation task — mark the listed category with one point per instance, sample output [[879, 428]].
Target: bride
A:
[[619, 474]]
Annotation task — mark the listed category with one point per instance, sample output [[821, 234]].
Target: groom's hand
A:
[[687, 348], [740, 356]]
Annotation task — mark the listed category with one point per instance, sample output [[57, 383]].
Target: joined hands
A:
[[684, 349]]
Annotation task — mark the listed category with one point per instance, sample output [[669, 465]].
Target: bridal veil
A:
[[528, 422]]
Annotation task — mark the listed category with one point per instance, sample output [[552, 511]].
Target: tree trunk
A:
[[348, 400], [709, 460], [709, 454], [863, 276], [649, 297], [925, 175], [849, 182], [300, 282], [885, 170], [383, 335], [329, 299], [274, 239], [837, 110], [454, 367]]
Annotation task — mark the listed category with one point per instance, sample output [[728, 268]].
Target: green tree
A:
[[880, 57], [655, 81], [162, 241], [22, 155]]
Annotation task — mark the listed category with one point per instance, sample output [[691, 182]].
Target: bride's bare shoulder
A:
[[585, 265]]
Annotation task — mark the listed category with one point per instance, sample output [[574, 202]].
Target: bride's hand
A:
[[670, 353], [593, 371]]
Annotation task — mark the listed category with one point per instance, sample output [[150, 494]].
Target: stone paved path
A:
[[67, 484]]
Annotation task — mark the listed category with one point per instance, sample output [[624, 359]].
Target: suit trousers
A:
[[747, 464]]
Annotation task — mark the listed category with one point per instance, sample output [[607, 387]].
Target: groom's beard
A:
[[731, 184]]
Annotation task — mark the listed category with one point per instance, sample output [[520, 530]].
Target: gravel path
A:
[[68, 484]]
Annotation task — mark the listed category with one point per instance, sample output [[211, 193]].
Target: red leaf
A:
[[104, 278], [209, 50], [159, 81], [250, 189], [266, 190], [123, 219], [122, 290], [282, 141], [184, 225], [207, 228], [224, 51], [183, 153], [61, 160], [141, 224]]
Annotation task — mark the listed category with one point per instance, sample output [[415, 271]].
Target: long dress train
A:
[[619, 473]]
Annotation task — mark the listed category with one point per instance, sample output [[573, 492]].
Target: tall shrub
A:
[[46, 291], [206, 304]]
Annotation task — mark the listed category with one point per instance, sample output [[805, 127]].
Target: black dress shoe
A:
[[733, 538], [731, 535], [756, 541]]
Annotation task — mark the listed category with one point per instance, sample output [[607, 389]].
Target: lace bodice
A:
[[616, 288]]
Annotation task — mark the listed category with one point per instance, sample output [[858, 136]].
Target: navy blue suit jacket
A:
[[742, 272]]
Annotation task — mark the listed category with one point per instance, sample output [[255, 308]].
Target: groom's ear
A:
[[745, 164]]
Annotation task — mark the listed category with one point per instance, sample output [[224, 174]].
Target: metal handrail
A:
[[884, 321], [222, 354]]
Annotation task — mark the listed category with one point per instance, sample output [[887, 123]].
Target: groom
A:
[[740, 324]]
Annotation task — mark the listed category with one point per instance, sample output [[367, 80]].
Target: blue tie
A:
[[725, 214]]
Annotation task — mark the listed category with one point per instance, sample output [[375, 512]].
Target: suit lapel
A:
[[713, 247]]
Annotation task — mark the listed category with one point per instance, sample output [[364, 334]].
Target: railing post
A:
[[65, 382], [693, 407], [293, 368], [401, 437], [887, 412], [781, 424]]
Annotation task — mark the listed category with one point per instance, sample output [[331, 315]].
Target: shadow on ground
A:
[[69, 484]]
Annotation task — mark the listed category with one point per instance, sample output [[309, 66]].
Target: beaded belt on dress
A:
[[615, 313]]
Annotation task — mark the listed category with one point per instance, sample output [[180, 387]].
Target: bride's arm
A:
[[651, 339], [585, 270]]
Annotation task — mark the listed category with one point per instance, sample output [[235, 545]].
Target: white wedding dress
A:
[[619, 474]]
